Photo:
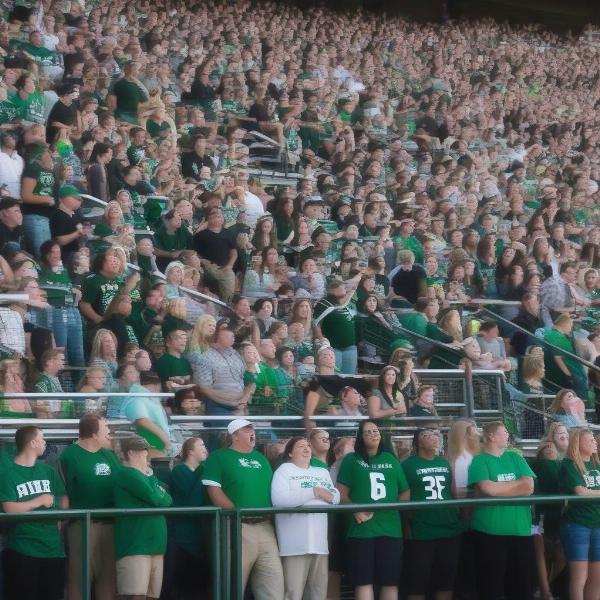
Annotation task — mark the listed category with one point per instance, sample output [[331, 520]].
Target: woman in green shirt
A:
[[370, 475], [434, 534], [503, 548], [62, 297], [580, 528], [185, 533]]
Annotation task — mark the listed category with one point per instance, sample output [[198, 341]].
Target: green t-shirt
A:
[[30, 109], [40, 539], [8, 112], [139, 535], [57, 286], [431, 480], [244, 477], [187, 490], [129, 95], [44, 178], [316, 462], [180, 240], [548, 482], [171, 366], [88, 476], [587, 514], [337, 326], [504, 519], [99, 290], [379, 481]]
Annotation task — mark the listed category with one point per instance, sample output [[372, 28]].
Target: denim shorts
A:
[[580, 543]]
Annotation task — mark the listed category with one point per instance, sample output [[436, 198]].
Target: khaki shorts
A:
[[140, 575]]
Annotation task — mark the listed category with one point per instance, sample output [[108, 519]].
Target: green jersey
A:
[[244, 477], [505, 519], [431, 480], [338, 325], [588, 514], [30, 109], [88, 476], [57, 285], [40, 539], [139, 535], [381, 480], [99, 290]]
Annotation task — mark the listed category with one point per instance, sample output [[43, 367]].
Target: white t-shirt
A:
[[254, 208], [300, 534], [461, 469]]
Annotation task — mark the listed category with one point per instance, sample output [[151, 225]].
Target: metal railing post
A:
[[216, 555], [237, 549], [86, 523], [225, 556]]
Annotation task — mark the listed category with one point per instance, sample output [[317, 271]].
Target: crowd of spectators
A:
[[290, 211]]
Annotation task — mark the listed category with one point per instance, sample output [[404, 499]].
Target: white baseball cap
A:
[[237, 424]]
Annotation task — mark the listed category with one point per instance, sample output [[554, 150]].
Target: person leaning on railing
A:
[[240, 477], [503, 549], [33, 559], [87, 467]]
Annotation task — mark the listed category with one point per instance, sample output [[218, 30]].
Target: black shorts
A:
[[29, 578], [373, 561], [431, 565]]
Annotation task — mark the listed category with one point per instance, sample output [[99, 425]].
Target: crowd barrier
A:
[[226, 529]]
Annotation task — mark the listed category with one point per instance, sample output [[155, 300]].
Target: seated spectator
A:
[[560, 293], [52, 363], [568, 409], [171, 239], [351, 405], [533, 371], [104, 354], [308, 282], [115, 319], [408, 281], [140, 542], [528, 318], [11, 380], [563, 370], [386, 400], [93, 381], [172, 368], [147, 414], [490, 343], [187, 403], [424, 404]]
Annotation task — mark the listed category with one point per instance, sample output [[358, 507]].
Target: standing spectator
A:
[[127, 94], [62, 120], [528, 318], [302, 538], [186, 532], [218, 253], [374, 547], [220, 375], [97, 173], [320, 445], [66, 223], [172, 368], [580, 475], [11, 165], [490, 341], [240, 477], [433, 552], [140, 542], [560, 293], [52, 363], [87, 467], [37, 193], [34, 558], [337, 325], [408, 281], [503, 547]]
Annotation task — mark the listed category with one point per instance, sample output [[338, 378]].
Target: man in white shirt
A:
[[253, 204], [11, 165]]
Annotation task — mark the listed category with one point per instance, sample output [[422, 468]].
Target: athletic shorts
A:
[[373, 561], [431, 565], [580, 543]]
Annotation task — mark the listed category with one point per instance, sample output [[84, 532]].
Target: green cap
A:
[[68, 190]]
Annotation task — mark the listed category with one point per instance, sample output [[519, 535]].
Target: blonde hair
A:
[[88, 372], [110, 205], [457, 440], [111, 309], [5, 366], [533, 363], [551, 432], [491, 428], [574, 453], [198, 341], [177, 308], [445, 325], [96, 353], [545, 445], [120, 253]]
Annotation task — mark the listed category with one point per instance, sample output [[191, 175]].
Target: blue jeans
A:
[[346, 359], [68, 334], [580, 543], [37, 230]]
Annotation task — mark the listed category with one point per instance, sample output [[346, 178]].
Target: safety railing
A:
[[231, 524], [86, 517]]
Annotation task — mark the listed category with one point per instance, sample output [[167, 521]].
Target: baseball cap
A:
[[8, 203], [236, 425], [68, 190], [135, 443]]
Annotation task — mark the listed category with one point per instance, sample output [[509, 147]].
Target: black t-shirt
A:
[[213, 246], [10, 235], [410, 284], [191, 164], [63, 224], [62, 114]]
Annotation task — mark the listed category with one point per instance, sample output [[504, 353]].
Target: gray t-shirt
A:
[[495, 347]]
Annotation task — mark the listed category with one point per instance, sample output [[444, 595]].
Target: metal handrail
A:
[[33, 395]]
